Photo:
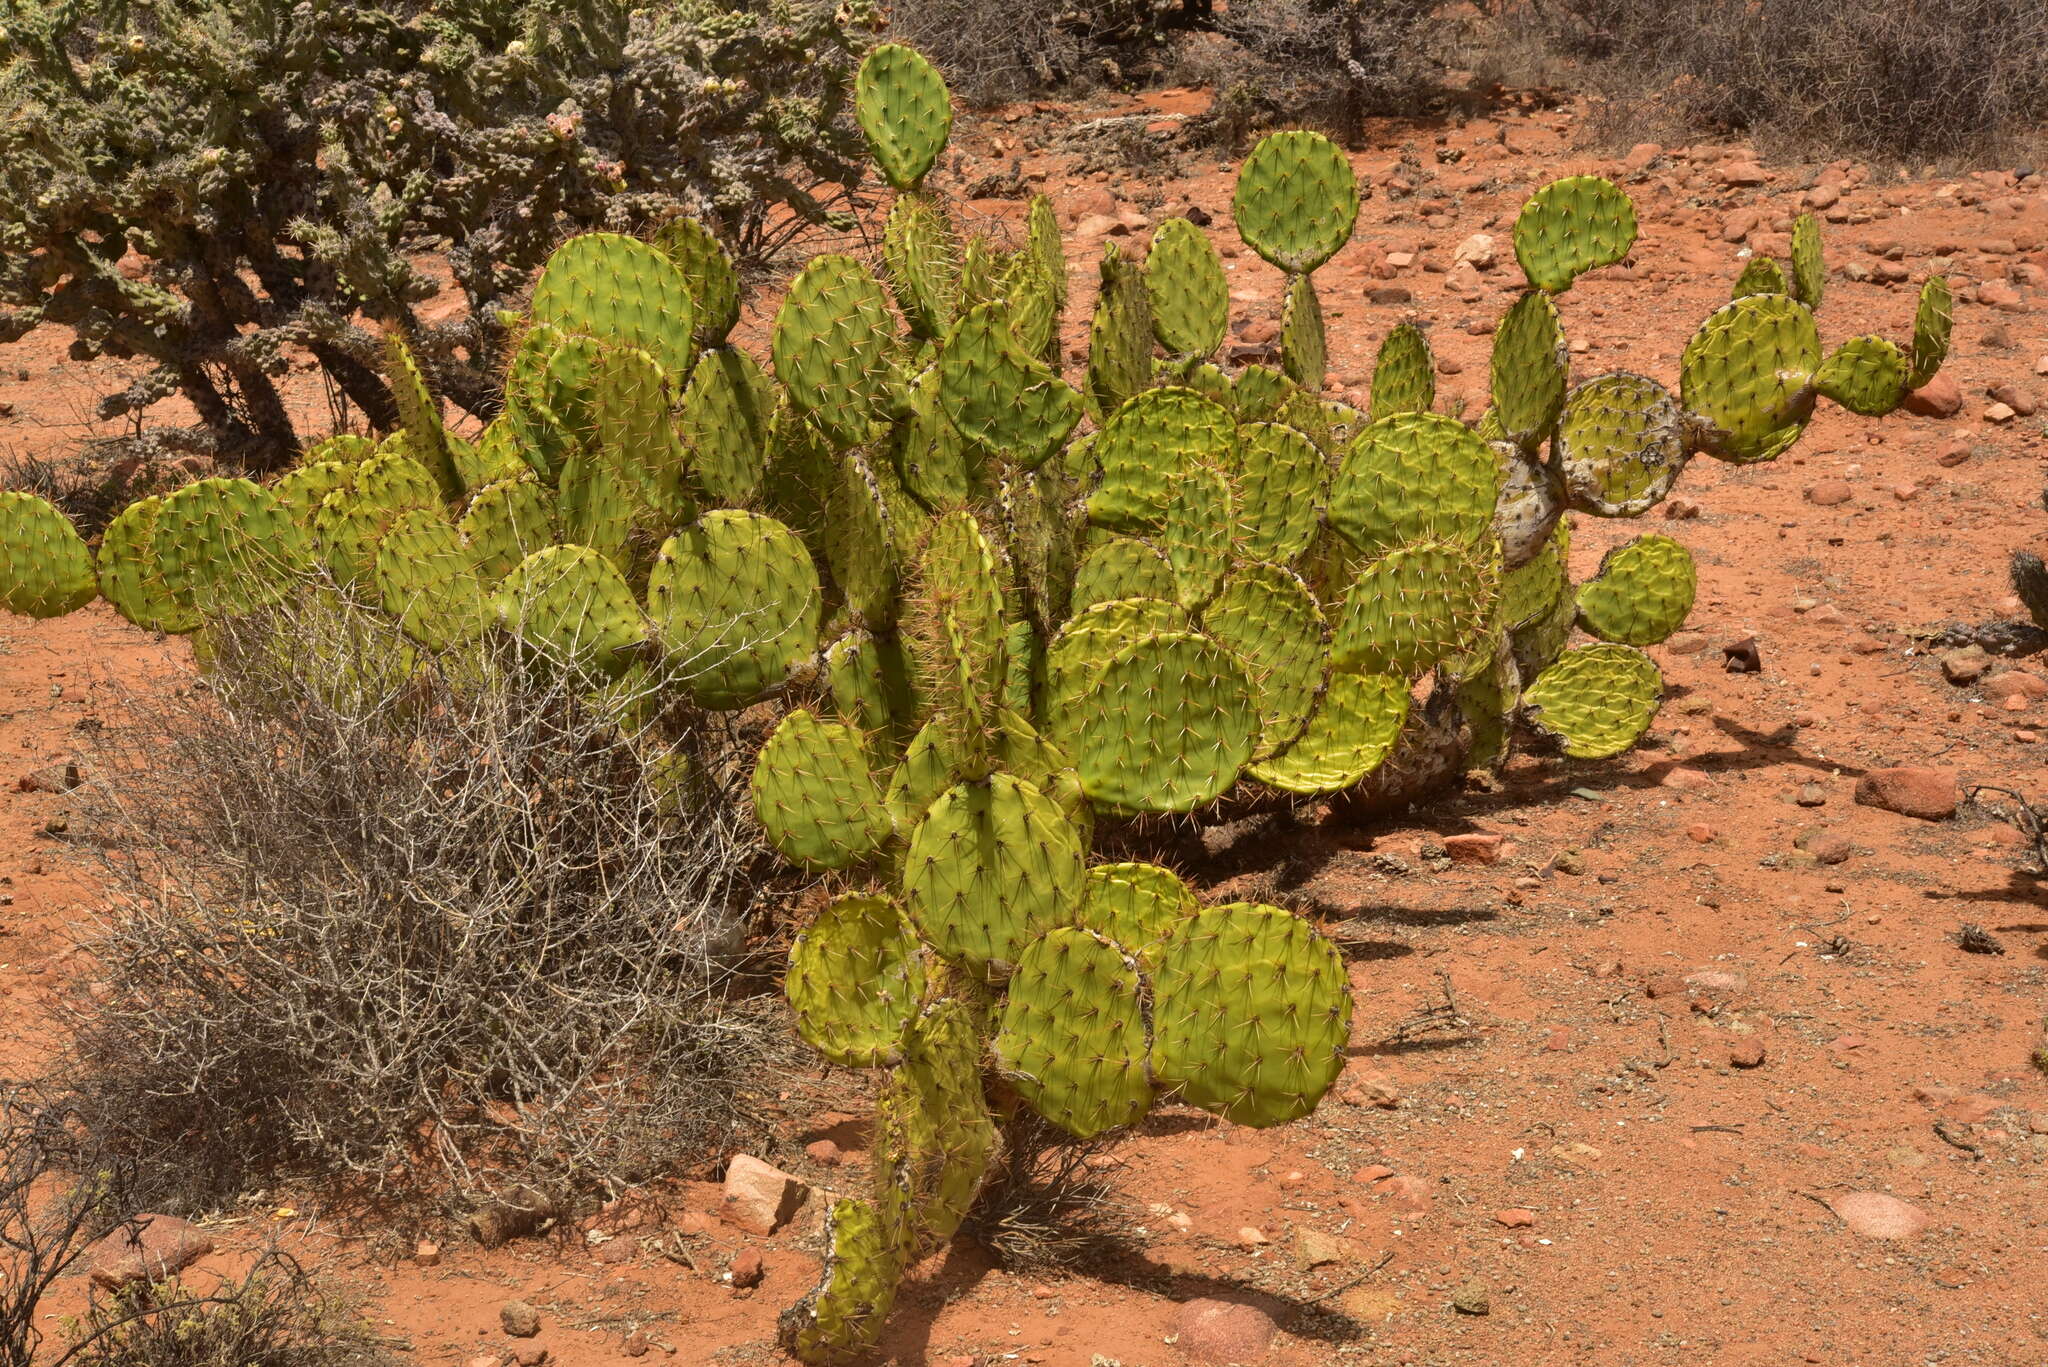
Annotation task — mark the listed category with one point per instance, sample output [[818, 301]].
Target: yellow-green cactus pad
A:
[[506, 521], [831, 347], [814, 795], [1085, 645], [1414, 608], [1404, 376], [1349, 734], [1189, 292], [1304, 346], [1165, 725], [353, 517], [1072, 1037], [1121, 567], [1269, 620], [127, 568], [933, 1132], [1761, 275], [837, 1324], [427, 580], [708, 271], [1119, 335], [856, 980], [1933, 320], [1136, 905], [45, 568], [735, 602], [998, 395], [921, 253], [1296, 200], [571, 606], [1415, 476], [301, 491], [619, 290], [1251, 1012], [993, 865], [905, 112], [224, 546], [963, 635], [1642, 593], [1280, 482], [723, 422], [1866, 375], [1531, 591], [1597, 700], [1572, 226], [1809, 269], [1149, 446], [1530, 367], [1748, 373], [1620, 445], [1195, 533]]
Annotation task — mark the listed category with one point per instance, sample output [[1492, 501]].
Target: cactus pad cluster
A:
[[988, 606]]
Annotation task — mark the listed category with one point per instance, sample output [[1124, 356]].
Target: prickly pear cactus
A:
[[980, 605]]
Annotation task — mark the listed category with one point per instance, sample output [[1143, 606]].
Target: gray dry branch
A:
[[441, 922]]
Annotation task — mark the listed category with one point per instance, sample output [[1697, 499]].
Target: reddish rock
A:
[[636, 1345], [1940, 397], [1219, 1331], [1829, 492], [759, 1198], [1929, 794], [1829, 847], [1740, 173], [426, 1253], [2015, 683], [745, 1271], [154, 1248], [1747, 1053], [1407, 1191], [1876, 1215], [1473, 848], [825, 1151], [1515, 1218], [519, 1319], [530, 1355]]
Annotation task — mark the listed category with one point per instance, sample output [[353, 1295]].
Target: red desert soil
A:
[[1684, 1039]]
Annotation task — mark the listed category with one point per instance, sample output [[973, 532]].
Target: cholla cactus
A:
[[998, 606], [276, 165]]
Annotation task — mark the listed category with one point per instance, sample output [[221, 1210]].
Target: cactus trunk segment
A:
[[836, 1325], [1304, 347]]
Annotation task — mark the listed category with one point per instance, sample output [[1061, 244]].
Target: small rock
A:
[[1717, 982], [1515, 1217], [1929, 794], [1742, 657], [1700, 833], [1100, 225], [745, 1270], [1965, 665], [1642, 155], [519, 1319], [2020, 401], [1812, 795], [155, 1248], [1473, 848], [1478, 250], [1390, 294], [824, 1151], [636, 1345], [1251, 1236], [1407, 1191], [1953, 453], [1828, 492], [759, 1198], [530, 1355], [1998, 412], [1876, 1215], [1219, 1331], [1736, 174], [1748, 1053], [1313, 1248], [427, 1253], [484, 1360], [1997, 294], [1471, 1299], [1940, 397], [51, 778], [2015, 683]]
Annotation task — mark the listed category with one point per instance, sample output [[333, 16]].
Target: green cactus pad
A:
[[1296, 200], [1261, 394], [426, 579], [1304, 347], [1487, 701], [1087, 642], [301, 491], [1190, 294], [856, 980], [1809, 268], [918, 779], [45, 568], [1866, 375], [637, 441], [1165, 726], [1268, 618], [814, 796], [1598, 700], [570, 605], [1404, 376], [419, 413], [723, 422], [1348, 735], [1530, 367], [493, 456], [1196, 534], [619, 289], [1251, 1012], [960, 622], [998, 395], [353, 517], [1415, 476], [993, 865], [709, 274], [1539, 642], [1043, 242], [1072, 1035], [1033, 301], [837, 1324], [1121, 567], [1135, 905], [1620, 445], [1572, 226], [831, 347], [938, 465], [859, 541], [869, 678], [1933, 320], [1415, 607], [506, 521], [1119, 335], [224, 546], [934, 1136], [596, 505], [1149, 446], [1642, 593], [904, 110], [922, 255], [735, 602], [1280, 485], [1747, 373], [128, 576], [1761, 275]]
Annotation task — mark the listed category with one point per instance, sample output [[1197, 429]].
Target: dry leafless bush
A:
[[1327, 63], [277, 1314], [992, 51], [439, 922], [1046, 1204], [1889, 80], [49, 1214]]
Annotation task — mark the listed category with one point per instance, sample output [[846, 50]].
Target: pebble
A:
[[1473, 847], [1748, 1053], [758, 1197], [426, 1253], [1515, 1217], [1916, 791], [1220, 1331], [1829, 492], [1471, 1298], [746, 1270], [1877, 1215], [519, 1319]]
